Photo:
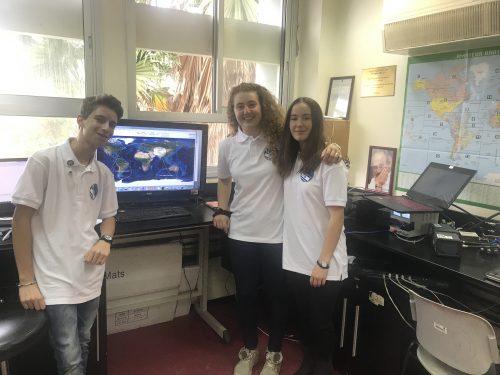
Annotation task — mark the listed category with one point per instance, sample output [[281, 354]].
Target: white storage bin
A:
[[132, 271], [142, 283]]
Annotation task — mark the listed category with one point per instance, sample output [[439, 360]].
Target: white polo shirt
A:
[[69, 198], [306, 218], [257, 205]]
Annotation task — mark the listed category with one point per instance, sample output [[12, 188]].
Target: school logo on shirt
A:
[[306, 177], [268, 153], [93, 191]]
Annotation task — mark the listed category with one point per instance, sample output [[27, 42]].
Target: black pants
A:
[[313, 310], [255, 265]]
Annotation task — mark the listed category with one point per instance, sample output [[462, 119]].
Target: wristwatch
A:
[[106, 238], [324, 265]]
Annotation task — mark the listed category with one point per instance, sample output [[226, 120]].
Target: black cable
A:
[[468, 308], [467, 212], [181, 239], [486, 219]]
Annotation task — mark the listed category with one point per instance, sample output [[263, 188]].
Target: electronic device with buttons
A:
[[412, 224], [446, 240]]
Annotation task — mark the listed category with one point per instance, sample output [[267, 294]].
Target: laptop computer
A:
[[435, 190]]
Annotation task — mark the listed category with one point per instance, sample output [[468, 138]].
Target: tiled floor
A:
[[187, 346]]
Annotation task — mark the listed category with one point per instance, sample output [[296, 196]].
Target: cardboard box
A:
[[141, 311], [337, 130], [133, 271], [142, 284], [190, 274]]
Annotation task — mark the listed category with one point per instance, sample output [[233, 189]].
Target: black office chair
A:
[[452, 341], [19, 329]]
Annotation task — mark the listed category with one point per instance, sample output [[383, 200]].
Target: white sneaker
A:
[[273, 363], [248, 359]]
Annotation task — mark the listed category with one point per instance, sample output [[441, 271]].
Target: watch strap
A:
[[106, 238], [323, 265]]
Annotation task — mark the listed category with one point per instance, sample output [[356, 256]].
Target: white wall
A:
[[350, 41]]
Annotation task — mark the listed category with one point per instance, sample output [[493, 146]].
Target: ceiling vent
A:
[[465, 27]]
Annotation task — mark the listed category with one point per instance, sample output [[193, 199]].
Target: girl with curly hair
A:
[[254, 219]]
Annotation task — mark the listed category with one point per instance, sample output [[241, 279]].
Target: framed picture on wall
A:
[[381, 168], [338, 104]]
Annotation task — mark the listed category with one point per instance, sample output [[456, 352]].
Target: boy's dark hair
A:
[[312, 147], [90, 103]]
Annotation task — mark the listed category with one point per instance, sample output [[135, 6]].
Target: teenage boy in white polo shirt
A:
[[60, 258]]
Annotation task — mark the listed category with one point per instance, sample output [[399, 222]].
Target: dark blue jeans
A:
[[255, 265], [69, 328]]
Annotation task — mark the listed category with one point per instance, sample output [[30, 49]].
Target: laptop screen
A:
[[440, 184]]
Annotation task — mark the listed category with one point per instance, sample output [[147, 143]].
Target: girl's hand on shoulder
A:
[[332, 154], [222, 222], [318, 276]]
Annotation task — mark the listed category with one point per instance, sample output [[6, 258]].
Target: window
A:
[[186, 61], [22, 135], [45, 66], [173, 55], [180, 61], [42, 73], [252, 44]]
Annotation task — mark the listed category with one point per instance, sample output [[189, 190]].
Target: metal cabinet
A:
[[372, 336]]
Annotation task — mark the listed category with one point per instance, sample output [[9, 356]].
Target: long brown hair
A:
[[312, 146], [272, 114]]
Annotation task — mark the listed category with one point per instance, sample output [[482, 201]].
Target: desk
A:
[[374, 337], [470, 267], [197, 224]]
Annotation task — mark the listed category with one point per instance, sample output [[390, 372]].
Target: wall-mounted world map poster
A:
[[452, 116]]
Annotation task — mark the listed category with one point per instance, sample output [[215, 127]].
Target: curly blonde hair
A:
[[272, 114]]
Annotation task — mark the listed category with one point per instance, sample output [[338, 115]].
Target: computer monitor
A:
[[10, 171], [156, 161]]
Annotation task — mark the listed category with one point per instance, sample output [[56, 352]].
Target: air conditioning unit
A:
[[417, 27]]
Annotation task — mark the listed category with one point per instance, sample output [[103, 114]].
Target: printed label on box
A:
[[130, 316]]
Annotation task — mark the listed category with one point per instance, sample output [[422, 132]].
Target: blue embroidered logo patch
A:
[[268, 154], [93, 191], [306, 177]]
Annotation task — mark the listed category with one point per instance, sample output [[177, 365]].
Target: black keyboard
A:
[[150, 213]]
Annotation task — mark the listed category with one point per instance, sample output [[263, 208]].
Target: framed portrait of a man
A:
[[381, 166]]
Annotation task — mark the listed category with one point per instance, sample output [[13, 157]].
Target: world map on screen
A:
[[452, 116], [145, 159]]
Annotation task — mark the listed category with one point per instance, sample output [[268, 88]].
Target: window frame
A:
[[46, 106], [288, 53], [94, 31]]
